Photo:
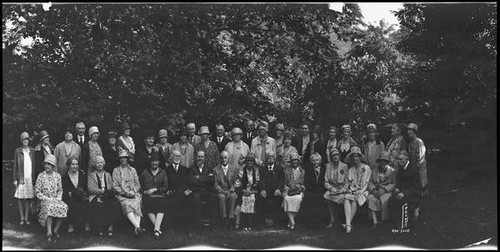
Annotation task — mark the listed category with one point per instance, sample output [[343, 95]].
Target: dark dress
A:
[[110, 155], [270, 207], [85, 157], [180, 207], [142, 158], [156, 202], [78, 203], [104, 210], [313, 195], [319, 147]]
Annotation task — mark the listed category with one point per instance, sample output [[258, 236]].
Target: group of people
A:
[[230, 180]]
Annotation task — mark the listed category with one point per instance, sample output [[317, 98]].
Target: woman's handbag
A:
[[108, 195]]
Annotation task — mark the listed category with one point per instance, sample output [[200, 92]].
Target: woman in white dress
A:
[[294, 189], [23, 175]]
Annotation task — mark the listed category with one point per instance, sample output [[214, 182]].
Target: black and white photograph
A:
[[249, 125]]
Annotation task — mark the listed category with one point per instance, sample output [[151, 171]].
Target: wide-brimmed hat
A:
[[280, 126], [236, 131], [354, 150], [334, 151], [93, 130], [294, 156], [263, 125], [43, 134], [371, 127], [384, 155], [204, 130], [25, 135], [162, 133], [125, 126], [51, 159], [346, 128], [412, 126], [123, 153]]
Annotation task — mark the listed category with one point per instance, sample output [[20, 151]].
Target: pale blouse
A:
[[359, 179], [236, 152]]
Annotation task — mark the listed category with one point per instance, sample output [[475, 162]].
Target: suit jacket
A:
[[222, 144], [270, 181], [315, 184], [178, 181], [407, 181], [77, 140], [248, 140], [111, 158], [232, 173], [85, 157], [297, 143], [69, 187], [206, 180], [196, 141]]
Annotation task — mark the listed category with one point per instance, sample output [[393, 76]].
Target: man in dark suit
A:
[[80, 134], [272, 181], [301, 141], [220, 139], [249, 133], [202, 183], [181, 202], [225, 185]]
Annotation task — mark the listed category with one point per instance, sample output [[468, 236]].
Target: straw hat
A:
[[51, 159]]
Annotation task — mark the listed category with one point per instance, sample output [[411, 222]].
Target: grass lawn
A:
[[461, 210]]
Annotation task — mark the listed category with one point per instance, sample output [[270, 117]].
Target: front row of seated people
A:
[[227, 193]]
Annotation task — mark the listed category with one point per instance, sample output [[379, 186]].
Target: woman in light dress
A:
[[237, 149], [294, 189], [24, 177]]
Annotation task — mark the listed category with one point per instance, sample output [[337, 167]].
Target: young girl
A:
[[24, 173]]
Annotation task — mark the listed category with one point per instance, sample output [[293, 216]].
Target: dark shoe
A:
[[49, 238], [348, 229], [138, 232], [374, 227]]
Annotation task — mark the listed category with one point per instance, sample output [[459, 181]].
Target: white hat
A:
[[204, 130], [93, 130]]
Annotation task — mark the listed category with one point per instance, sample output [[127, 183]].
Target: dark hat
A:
[[125, 126], [155, 156], [149, 133], [43, 134], [112, 134]]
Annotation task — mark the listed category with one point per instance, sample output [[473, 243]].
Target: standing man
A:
[[301, 141], [209, 147], [180, 195], [202, 183], [220, 139], [249, 133], [225, 184], [262, 144], [80, 134], [193, 139], [272, 183]]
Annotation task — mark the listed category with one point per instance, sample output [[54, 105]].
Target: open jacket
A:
[[232, 173], [270, 181], [206, 180], [18, 169], [291, 183]]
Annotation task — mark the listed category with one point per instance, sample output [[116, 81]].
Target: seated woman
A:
[[74, 185], [336, 185], [380, 187], [247, 190], [49, 191], [314, 181], [126, 185], [154, 185], [105, 210], [294, 189], [359, 177]]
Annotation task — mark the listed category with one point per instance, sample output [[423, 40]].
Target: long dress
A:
[[103, 210], [237, 151], [63, 152], [49, 191], [336, 181], [24, 188], [249, 181], [78, 208], [294, 180], [125, 180], [381, 180]]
